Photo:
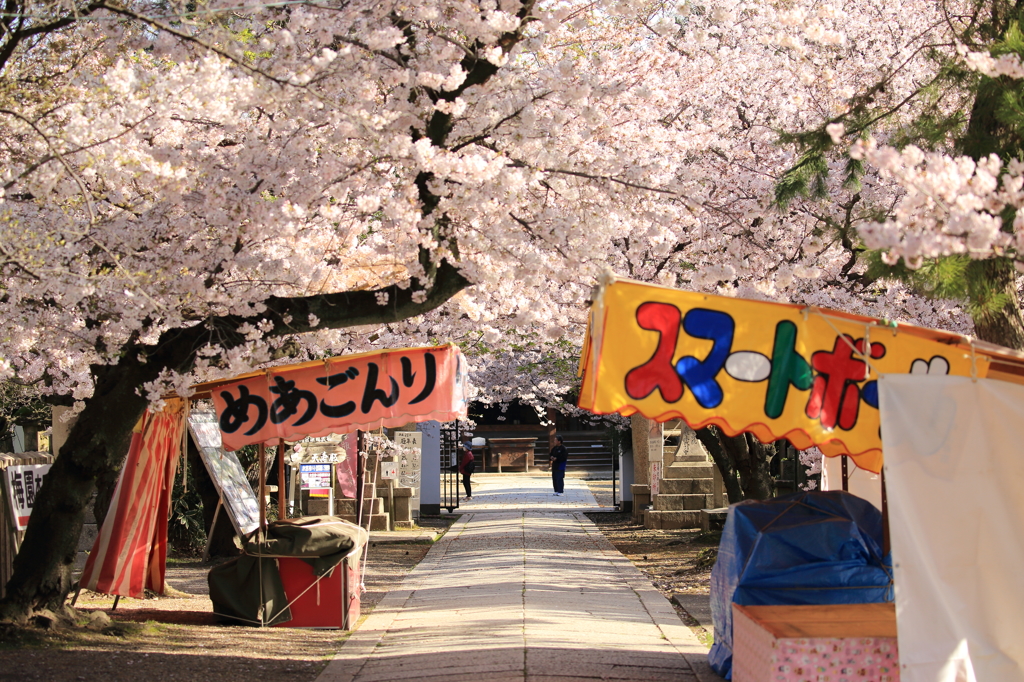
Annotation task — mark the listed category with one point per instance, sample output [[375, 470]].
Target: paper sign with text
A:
[[23, 483]]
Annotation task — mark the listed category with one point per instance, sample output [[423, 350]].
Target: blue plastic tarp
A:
[[808, 548]]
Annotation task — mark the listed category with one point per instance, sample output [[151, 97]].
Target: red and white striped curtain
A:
[[130, 552]]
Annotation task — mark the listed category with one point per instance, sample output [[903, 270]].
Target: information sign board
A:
[[226, 472], [655, 478], [23, 482], [316, 478], [410, 464], [389, 470]]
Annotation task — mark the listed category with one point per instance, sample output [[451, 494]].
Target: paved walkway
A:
[[520, 492], [522, 594]]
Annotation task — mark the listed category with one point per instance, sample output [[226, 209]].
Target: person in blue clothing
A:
[[557, 459]]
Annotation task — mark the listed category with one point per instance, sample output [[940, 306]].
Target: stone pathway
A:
[[533, 491], [513, 592]]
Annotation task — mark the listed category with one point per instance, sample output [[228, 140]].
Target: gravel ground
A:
[[176, 637]]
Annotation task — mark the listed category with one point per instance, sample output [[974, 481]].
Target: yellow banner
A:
[[775, 370]]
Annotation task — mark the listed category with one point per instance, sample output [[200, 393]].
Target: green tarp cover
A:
[[235, 586]]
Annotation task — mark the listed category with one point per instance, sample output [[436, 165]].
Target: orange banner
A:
[[341, 395], [130, 552], [774, 370]]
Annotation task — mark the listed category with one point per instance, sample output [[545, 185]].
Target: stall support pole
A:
[[330, 493], [261, 452], [360, 471], [846, 475], [292, 497], [885, 517], [391, 504], [209, 536], [282, 508]]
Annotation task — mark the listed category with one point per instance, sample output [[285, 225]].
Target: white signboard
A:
[[226, 472], [328, 449], [23, 482], [410, 464], [655, 478], [316, 478], [389, 470]]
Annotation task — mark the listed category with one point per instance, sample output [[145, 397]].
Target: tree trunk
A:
[[754, 468], [741, 456], [106, 483], [711, 437]]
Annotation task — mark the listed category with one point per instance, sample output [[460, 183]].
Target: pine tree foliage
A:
[[969, 107]]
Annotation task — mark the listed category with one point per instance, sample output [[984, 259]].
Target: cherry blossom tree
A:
[[192, 191]]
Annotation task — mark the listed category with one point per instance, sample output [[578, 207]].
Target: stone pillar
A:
[[61, 428], [430, 479], [719, 496], [641, 487]]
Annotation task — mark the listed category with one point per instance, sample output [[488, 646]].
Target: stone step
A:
[[377, 521], [318, 506], [689, 470], [671, 520], [687, 486], [695, 459], [395, 492], [683, 502], [713, 519]]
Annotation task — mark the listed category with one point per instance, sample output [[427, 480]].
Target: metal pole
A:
[[261, 452], [885, 517], [360, 470], [615, 469], [846, 475], [282, 508], [391, 504], [330, 493], [291, 491]]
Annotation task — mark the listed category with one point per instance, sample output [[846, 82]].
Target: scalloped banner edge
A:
[[869, 460]]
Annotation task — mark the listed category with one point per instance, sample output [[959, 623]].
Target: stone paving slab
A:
[[534, 491], [419, 536], [526, 595]]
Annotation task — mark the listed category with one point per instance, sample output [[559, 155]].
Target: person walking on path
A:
[[558, 458], [467, 464]]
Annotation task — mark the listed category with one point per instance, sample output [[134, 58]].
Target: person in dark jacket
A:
[[467, 464], [558, 458]]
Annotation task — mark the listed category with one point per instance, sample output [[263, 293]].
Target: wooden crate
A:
[[851, 642]]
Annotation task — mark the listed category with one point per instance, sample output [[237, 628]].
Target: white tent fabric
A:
[[954, 474], [862, 483]]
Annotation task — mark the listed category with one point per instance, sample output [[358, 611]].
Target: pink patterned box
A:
[[826, 643]]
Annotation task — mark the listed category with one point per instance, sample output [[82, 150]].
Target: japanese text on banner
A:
[[771, 369]]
